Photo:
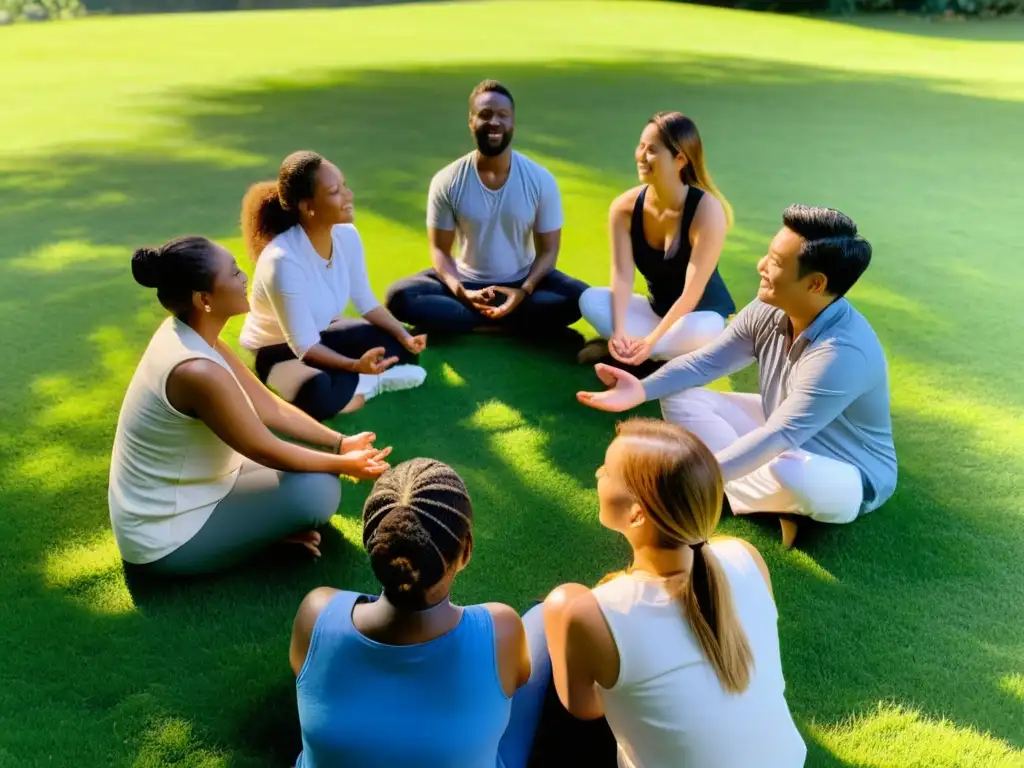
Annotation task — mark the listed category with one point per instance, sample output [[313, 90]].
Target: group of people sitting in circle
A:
[[674, 660]]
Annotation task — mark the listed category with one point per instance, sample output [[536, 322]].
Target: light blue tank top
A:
[[438, 704]]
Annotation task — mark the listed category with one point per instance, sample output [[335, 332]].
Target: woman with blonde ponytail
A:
[[671, 228], [679, 652]]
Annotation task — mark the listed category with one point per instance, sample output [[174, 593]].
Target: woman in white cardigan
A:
[[309, 265]]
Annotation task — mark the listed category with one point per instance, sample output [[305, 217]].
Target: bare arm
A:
[[546, 245], [583, 653], [514, 665], [382, 318], [762, 566], [204, 388], [707, 239], [274, 412], [441, 242], [305, 620], [623, 266]]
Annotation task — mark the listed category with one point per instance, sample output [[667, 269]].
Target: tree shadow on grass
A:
[[894, 606]]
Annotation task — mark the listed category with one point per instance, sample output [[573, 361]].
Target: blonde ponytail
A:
[[677, 481]]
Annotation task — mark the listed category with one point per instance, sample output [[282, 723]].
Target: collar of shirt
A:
[[305, 245], [825, 320]]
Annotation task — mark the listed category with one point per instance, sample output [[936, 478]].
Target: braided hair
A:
[[417, 522]]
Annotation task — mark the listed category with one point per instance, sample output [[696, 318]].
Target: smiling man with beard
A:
[[505, 211]]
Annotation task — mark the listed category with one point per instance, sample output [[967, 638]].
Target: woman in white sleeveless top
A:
[[197, 479], [680, 652], [310, 265]]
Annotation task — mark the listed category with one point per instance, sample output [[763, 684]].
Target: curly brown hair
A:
[[272, 207]]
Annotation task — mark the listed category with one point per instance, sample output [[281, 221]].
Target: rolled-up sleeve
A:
[[288, 294]]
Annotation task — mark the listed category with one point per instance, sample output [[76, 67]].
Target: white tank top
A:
[[667, 708], [168, 471]]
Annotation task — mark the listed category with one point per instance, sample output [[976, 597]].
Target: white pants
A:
[[796, 481], [691, 331]]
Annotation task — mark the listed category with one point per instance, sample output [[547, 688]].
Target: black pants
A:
[[563, 740], [325, 394], [424, 301]]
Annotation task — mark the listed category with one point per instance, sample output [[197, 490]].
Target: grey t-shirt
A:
[[494, 228], [827, 392]]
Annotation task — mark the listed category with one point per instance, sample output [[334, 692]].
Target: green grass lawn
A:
[[901, 634]]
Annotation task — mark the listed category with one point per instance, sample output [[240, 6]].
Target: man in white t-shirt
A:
[[505, 211]]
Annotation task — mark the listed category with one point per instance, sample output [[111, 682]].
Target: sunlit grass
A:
[[896, 737], [118, 132]]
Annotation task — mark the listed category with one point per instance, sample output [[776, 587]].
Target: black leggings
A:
[[326, 393], [562, 740]]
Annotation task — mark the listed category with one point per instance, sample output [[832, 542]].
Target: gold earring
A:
[[207, 307], [312, 214]]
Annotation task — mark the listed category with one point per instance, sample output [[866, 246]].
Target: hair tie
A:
[[697, 545]]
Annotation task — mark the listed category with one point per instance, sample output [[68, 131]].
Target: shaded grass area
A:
[[901, 633]]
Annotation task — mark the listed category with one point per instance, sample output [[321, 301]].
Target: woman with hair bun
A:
[[408, 678], [310, 264], [198, 481]]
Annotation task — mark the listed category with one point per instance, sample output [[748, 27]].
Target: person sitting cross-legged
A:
[[199, 481], [506, 211], [300, 232], [816, 441], [679, 209]]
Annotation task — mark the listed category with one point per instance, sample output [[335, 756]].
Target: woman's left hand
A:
[[359, 442], [415, 344]]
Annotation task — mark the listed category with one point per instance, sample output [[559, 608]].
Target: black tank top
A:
[[666, 272]]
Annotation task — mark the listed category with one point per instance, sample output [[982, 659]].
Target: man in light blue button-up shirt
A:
[[817, 439]]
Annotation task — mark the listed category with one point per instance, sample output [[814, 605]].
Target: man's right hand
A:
[[624, 390]]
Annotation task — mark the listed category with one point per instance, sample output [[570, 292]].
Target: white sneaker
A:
[[393, 379]]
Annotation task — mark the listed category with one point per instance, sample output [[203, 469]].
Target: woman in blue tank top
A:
[[407, 678], [671, 228]]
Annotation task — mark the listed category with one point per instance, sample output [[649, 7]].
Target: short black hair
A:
[[491, 86], [417, 521], [832, 245]]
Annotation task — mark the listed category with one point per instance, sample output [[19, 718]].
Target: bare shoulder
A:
[[623, 204], [196, 376], [312, 606], [710, 212], [507, 623], [305, 620], [755, 555]]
